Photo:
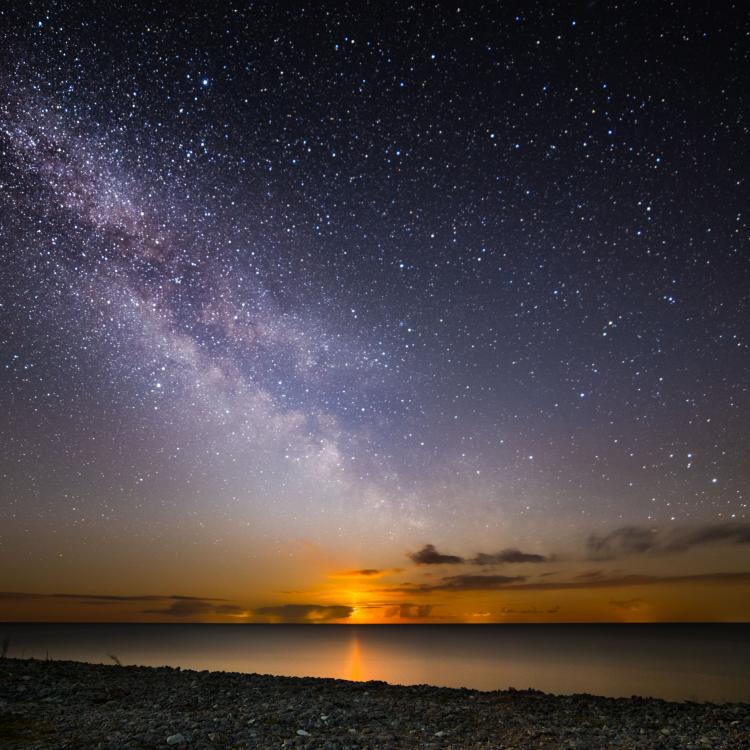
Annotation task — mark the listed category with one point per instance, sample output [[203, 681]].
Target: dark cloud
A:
[[728, 533], [106, 598], [428, 555], [628, 605], [304, 612], [623, 542], [636, 580], [195, 607], [476, 583], [639, 540], [518, 583], [463, 583], [408, 611], [178, 605], [509, 555], [364, 572]]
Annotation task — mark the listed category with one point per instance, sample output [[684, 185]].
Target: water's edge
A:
[[696, 662]]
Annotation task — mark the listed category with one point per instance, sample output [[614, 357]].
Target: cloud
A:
[[463, 583], [509, 555], [628, 605], [589, 575], [365, 573], [629, 541], [195, 607], [304, 612], [528, 611], [177, 605], [623, 542], [636, 580], [428, 555], [519, 583], [730, 533], [106, 598], [408, 611]]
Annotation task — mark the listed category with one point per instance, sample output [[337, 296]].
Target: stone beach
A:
[[59, 704]]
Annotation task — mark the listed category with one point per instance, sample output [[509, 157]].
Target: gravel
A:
[[58, 704]]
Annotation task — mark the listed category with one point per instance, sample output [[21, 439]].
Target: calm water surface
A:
[[678, 662]]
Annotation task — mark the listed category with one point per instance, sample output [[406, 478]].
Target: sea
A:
[[684, 662]]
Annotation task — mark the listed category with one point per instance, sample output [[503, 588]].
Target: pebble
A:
[[113, 708]]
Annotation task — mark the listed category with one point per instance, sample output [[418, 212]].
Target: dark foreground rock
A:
[[55, 704]]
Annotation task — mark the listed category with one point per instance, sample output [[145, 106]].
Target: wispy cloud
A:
[[520, 583], [175, 605], [107, 598], [365, 573], [629, 541], [197, 607], [530, 610], [462, 583], [526, 611], [509, 555]]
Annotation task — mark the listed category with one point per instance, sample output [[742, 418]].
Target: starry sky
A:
[[367, 313]]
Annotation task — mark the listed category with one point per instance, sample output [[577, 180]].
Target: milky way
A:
[[474, 276]]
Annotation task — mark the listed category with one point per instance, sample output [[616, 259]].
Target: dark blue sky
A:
[[371, 273]]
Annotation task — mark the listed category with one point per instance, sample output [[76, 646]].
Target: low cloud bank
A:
[[521, 583], [304, 612], [196, 607], [408, 611]]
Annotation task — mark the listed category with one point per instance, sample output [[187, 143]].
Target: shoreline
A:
[[59, 704]]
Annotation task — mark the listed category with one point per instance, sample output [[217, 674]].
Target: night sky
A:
[[367, 312]]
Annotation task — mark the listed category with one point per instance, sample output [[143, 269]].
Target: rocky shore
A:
[[55, 704]]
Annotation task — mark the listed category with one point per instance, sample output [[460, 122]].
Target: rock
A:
[[302, 733], [176, 739]]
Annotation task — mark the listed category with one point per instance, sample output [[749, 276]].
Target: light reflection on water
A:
[[679, 662], [354, 672]]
